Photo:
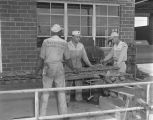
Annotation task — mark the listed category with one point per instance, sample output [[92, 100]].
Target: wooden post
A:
[[118, 114]]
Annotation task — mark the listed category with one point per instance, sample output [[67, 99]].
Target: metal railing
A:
[[37, 91]]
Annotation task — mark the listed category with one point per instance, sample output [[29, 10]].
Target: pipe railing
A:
[[74, 88], [36, 91], [84, 114]]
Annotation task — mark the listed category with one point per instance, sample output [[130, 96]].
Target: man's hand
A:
[[115, 65], [36, 71], [91, 65], [102, 61], [76, 71], [115, 59]]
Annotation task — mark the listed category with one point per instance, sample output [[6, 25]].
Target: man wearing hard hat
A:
[[52, 51], [118, 52], [77, 53]]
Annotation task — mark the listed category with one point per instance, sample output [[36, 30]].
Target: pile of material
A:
[[89, 72]]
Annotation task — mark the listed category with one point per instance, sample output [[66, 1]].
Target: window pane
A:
[[44, 30], [86, 31], [87, 41], [101, 10], [73, 9], [57, 8], [113, 21], [74, 20], [44, 20], [113, 10], [101, 31], [72, 28], [86, 21], [86, 9], [57, 19], [100, 42], [43, 7], [101, 21]]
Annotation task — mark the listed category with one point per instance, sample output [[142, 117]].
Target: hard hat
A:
[[56, 28], [114, 34], [76, 33]]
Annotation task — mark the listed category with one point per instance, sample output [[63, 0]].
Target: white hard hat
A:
[[56, 28], [76, 33], [114, 34]]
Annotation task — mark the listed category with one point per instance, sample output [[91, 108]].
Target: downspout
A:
[[0, 50]]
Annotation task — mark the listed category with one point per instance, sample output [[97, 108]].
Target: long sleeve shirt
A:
[[77, 53], [118, 52], [53, 49]]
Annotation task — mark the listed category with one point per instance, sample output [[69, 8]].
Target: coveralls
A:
[[52, 52], [77, 53], [119, 53]]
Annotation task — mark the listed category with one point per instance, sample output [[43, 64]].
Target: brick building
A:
[[25, 23], [145, 9]]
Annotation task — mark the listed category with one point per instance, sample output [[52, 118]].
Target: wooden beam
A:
[[144, 10]]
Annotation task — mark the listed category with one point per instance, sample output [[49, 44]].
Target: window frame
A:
[[93, 26]]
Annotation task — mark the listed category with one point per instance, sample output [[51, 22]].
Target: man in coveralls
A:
[[77, 54], [118, 52], [52, 51]]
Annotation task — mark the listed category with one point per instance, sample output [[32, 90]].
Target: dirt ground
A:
[[22, 105]]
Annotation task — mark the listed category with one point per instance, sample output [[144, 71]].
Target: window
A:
[[141, 21], [95, 22], [49, 14], [107, 20], [80, 18]]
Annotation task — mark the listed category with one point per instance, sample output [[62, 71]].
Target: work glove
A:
[[103, 62]]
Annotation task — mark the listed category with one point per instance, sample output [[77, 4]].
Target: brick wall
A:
[[18, 21], [19, 32], [127, 20]]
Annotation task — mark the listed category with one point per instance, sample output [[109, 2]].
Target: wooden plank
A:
[[122, 91]]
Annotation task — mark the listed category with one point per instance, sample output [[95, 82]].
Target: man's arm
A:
[[85, 57], [68, 61], [39, 66], [123, 54], [109, 56]]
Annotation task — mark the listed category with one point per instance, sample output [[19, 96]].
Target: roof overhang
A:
[[144, 6]]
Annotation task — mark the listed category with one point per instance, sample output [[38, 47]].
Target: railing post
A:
[[36, 105], [148, 100]]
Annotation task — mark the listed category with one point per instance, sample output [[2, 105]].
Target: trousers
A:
[[78, 93], [54, 73]]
